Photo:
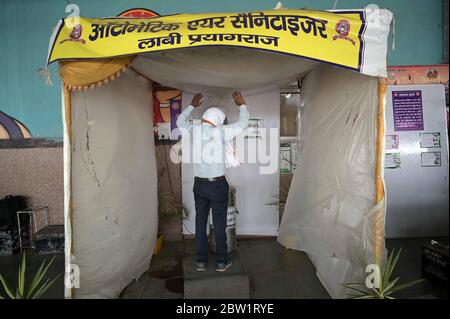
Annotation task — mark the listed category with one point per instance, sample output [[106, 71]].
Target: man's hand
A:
[[238, 99], [197, 100]]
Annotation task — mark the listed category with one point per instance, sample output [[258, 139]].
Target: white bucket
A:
[[230, 231]]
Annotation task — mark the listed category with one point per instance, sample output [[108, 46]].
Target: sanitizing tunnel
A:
[[335, 210]]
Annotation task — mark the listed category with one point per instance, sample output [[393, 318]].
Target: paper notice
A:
[[430, 140], [392, 160], [285, 158], [430, 159], [392, 142], [253, 130]]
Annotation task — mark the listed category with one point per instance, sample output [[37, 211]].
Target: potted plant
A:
[[169, 205], [279, 201], [388, 286], [38, 286], [168, 208]]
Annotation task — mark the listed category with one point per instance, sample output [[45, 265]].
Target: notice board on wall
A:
[[407, 110], [416, 161]]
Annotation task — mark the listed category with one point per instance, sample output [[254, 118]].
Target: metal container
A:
[[230, 231], [232, 197]]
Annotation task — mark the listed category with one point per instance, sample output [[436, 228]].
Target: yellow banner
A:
[[335, 38]]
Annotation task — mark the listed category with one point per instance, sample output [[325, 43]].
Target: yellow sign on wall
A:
[[335, 38]]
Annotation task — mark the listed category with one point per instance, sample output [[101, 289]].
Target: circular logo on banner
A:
[[76, 32], [75, 35], [139, 13], [343, 27]]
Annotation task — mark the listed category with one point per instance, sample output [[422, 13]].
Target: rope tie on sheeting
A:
[[393, 33], [335, 4], [279, 6], [45, 74]]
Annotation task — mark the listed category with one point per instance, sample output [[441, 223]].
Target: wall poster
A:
[[408, 111]]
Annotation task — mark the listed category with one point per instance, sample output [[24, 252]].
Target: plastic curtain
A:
[[331, 208], [220, 71], [113, 195]]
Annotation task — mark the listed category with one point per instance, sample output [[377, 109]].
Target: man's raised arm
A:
[[182, 120], [231, 130]]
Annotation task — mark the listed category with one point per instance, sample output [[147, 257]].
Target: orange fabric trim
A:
[[379, 186], [86, 75]]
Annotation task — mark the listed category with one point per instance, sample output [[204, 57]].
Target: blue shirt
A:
[[207, 143]]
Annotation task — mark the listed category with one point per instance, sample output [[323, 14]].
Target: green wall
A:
[[26, 25]]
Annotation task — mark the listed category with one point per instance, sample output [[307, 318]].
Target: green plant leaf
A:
[[384, 268], [365, 297], [362, 259], [21, 278], [20, 291], [354, 284], [6, 287], [364, 292], [405, 285], [390, 285], [377, 294], [390, 265], [36, 280], [39, 290], [39, 276], [354, 296], [394, 263], [45, 287]]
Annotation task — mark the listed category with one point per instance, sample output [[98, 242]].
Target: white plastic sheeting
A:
[[375, 37], [220, 70], [114, 189], [114, 194], [330, 207]]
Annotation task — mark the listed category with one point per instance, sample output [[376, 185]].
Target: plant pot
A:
[[159, 243]]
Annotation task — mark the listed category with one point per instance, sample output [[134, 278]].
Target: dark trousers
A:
[[211, 194]]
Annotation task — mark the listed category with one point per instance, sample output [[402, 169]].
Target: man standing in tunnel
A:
[[209, 145]]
